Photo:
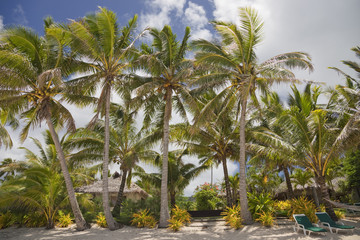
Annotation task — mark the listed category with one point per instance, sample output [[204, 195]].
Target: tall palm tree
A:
[[127, 146], [214, 141], [319, 138], [267, 137], [105, 48], [180, 174], [169, 74], [36, 66], [234, 70]]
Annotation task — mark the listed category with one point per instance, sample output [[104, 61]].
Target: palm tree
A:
[[105, 48], [214, 141], [36, 66], [267, 137], [7, 119], [180, 174], [127, 146], [301, 177], [170, 73], [319, 138], [38, 186], [233, 68], [234, 185]]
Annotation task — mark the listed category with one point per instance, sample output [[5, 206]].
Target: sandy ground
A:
[[196, 230]]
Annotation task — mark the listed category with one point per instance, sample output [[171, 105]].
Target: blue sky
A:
[[326, 29]]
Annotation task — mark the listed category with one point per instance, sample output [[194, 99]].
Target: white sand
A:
[[196, 230]]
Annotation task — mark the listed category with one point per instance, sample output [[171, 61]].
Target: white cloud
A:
[[195, 17], [1, 22], [158, 13], [19, 15]]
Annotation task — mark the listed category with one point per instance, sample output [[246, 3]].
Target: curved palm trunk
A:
[[79, 219], [288, 182], [120, 196], [245, 213], [164, 205], [227, 184], [105, 194], [325, 195]]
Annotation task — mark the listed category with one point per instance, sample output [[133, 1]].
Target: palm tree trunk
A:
[[288, 182], [325, 195], [172, 199], [245, 213], [164, 205], [227, 184], [105, 194], [79, 219], [120, 196]]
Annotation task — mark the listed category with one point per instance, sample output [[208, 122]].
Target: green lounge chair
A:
[[326, 221], [303, 222]]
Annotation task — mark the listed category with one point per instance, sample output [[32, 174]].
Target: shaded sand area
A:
[[196, 230]]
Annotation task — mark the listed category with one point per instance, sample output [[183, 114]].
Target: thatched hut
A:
[[311, 191], [134, 193]]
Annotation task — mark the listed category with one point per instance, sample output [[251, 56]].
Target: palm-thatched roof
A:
[[283, 187], [114, 185]]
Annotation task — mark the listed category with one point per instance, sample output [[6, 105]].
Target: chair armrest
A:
[[340, 223], [316, 225], [325, 224], [301, 226]]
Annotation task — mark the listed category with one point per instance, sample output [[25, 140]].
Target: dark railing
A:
[[205, 213]]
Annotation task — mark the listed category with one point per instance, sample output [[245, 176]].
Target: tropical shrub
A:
[[260, 203], [178, 218], [282, 208], [303, 206], [143, 219], [266, 219], [64, 220], [175, 224], [180, 214], [232, 216], [6, 220], [101, 220], [207, 197], [35, 219], [340, 214]]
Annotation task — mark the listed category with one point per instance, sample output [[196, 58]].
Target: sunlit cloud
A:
[[19, 15]]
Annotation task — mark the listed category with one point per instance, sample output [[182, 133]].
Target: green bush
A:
[[35, 219], [64, 220], [6, 220], [260, 203], [232, 216], [207, 197]]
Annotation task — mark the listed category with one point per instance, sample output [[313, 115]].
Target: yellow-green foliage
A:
[[283, 206], [266, 219], [64, 220], [340, 214], [232, 217], [35, 219], [6, 220], [101, 220], [180, 214], [175, 224], [143, 219], [302, 205], [178, 218]]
